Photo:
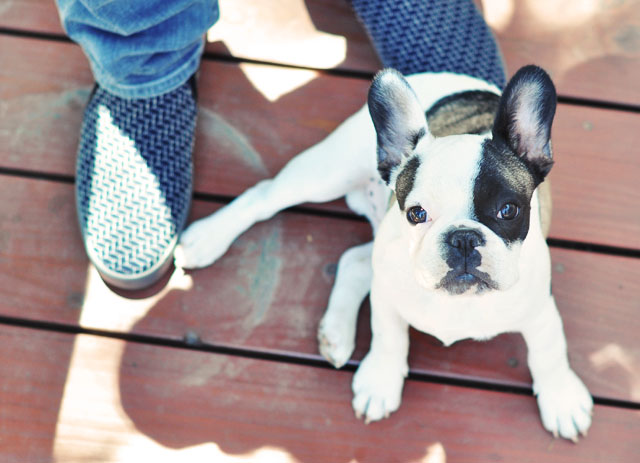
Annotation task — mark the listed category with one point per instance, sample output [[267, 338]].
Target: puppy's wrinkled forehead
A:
[[468, 177], [442, 173]]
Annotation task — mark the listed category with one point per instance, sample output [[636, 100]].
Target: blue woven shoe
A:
[[134, 182], [432, 36]]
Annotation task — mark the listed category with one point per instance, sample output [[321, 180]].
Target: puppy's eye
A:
[[508, 212], [416, 215]]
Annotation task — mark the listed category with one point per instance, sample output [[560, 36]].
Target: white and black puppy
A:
[[459, 253]]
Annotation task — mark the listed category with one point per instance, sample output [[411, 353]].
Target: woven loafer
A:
[[415, 36], [134, 182]]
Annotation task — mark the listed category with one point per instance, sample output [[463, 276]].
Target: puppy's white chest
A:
[[453, 322], [453, 318], [450, 318]]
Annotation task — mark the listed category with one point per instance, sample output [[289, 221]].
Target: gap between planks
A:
[[339, 72], [309, 209], [282, 357]]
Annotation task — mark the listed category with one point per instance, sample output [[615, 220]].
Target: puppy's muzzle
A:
[[460, 251]]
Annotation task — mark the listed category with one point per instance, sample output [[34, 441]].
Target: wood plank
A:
[[30, 15], [595, 168], [243, 137], [44, 87], [123, 399], [315, 34], [270, 291], [591, 50], [33, 372]]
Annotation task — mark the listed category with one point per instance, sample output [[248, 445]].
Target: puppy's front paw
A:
[[377, 387], [202, 243], [336, 341], [565, 406]]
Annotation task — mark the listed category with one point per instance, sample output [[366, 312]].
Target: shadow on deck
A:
[[221, 364]]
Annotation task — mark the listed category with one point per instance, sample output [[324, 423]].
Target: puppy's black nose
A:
[[465, 240]]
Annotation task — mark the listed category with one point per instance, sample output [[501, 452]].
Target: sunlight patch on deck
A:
[[251, 29], [435, 454], [104, 308], [93, 426], [614, 356], [92, 422], [275, 82], [498, 13]]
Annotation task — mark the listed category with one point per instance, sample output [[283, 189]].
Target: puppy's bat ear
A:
[[398, 118], [524, 118]]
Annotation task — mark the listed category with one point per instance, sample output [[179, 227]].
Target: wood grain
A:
[[97, 398], [268, 293], [594, 179], [110, 400], [30, 15], [591, 49], [313, 34], [243, 137]]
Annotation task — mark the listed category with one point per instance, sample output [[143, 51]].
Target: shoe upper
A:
[[134, 181]]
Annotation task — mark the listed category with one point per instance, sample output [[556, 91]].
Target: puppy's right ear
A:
[[398, 118]]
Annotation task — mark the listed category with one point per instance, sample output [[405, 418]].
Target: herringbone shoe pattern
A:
[[134, 182], [415, 36]]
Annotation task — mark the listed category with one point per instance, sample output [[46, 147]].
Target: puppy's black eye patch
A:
[[502, 192], [416, 215]]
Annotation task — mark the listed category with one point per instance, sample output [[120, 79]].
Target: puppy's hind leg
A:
[[326, 171], [337, 331]]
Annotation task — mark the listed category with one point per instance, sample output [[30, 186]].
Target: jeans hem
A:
[[160, 86]]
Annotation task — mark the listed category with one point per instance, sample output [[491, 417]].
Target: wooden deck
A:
[[221, 364]]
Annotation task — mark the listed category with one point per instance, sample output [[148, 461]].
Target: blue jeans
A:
[[139, 48], [144, 48]]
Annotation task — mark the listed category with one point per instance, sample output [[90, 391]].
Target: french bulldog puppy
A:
[[448, 172]]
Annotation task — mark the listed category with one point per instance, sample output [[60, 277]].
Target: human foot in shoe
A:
[[134, 182]]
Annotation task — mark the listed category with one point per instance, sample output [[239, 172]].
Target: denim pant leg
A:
[[139, 48]]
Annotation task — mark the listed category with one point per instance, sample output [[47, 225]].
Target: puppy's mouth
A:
[[458, 282]]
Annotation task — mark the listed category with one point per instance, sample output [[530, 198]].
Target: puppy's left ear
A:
[[524, 118], [398, 118]]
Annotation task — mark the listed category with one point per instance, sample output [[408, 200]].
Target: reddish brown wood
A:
[[591, 49], [295, 32], [179, 399], [33, 371], [30, 15], [243, 137], [43, 91], [314, 34], [594, 180], [270, 291]]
